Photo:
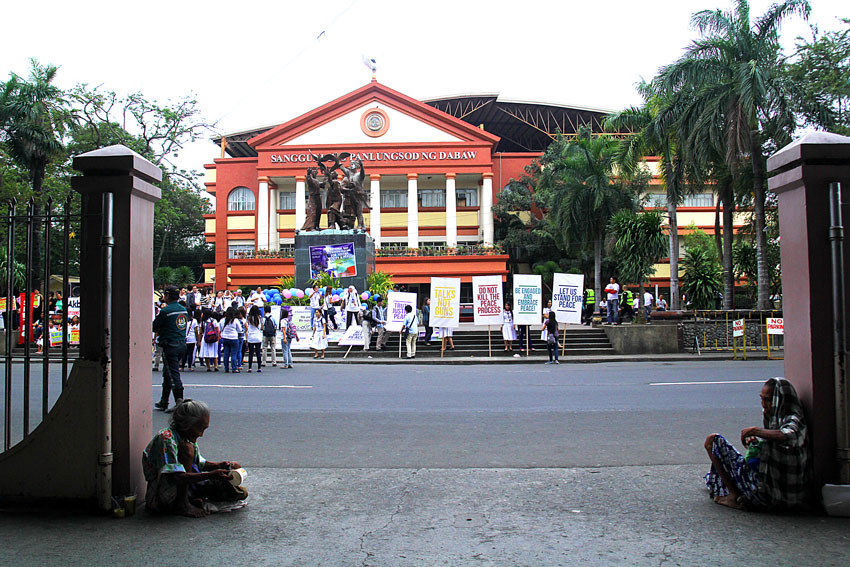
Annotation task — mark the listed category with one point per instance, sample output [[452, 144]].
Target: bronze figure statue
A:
[[355, 196], [314, 201], [344, 200]]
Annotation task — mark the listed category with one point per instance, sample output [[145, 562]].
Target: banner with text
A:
[[396, 302], [775, 326], [301, 320], [353, 336], [338, 260], [487, 297], [528, 299], [567, 291], [445, 302]]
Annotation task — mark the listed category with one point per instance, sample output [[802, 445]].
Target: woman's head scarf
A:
[[783, 471]]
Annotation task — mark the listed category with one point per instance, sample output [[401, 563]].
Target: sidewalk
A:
[[537, 357], [656, 515]]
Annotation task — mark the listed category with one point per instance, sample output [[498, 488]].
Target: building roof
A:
[[522, 126]]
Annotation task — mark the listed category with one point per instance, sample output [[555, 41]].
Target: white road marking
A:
[[707, 382], [292, 387]]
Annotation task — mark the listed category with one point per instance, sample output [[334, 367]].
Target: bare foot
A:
[[729, 500], [192, 511]]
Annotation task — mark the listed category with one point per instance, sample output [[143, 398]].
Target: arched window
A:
[[240, 199]]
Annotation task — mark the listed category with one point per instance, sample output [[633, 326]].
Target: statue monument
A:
[[345, 200]]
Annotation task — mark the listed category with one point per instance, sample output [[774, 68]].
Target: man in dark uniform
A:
[[170, 327]]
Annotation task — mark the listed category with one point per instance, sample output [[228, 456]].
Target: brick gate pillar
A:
[[802, 172], [129, 177]]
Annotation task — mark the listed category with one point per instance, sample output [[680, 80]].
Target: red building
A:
[[434, 169]]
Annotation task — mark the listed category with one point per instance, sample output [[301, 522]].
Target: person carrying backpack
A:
[[210, 337], [269, 336]]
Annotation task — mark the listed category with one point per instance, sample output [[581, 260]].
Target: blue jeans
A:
[[614, 309], [313, 316], [231, 353], [647, 313], [286, 347]]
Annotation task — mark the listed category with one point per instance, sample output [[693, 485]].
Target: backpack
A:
[[211, 334], [269, 329]]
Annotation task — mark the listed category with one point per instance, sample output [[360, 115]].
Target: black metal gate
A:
[[47, 231]]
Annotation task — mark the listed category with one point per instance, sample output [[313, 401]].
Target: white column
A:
[[262, 222], [274, 239], [486, 210], [375, 209], [412, 210], [451, 211], [300, 202]]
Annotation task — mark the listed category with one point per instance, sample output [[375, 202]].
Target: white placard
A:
[[353, 336], [738, 328], [301, 320], [775, 326], [567, 292], [396, 301], [528, 299], [445, 302], [488, 301]]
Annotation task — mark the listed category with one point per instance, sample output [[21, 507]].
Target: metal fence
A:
[[38, 245], [713, 331]]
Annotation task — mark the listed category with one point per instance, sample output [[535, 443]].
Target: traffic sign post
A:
[[738, 330], [775, 326]]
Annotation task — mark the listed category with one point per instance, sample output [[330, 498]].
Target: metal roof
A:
[[522, 126]]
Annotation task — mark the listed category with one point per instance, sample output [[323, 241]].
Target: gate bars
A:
[[48, 224]]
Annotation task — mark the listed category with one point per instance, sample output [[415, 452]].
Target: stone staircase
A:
[[580, 341]]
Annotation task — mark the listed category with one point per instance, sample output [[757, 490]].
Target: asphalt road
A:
[[530, 416]]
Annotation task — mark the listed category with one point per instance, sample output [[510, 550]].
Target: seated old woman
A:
[[180, 480], [773, 473]]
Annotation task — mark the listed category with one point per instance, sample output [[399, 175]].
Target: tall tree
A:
[[821, 79], [157, 132], [653, 128], [578, 187], [33, 118], [638, 243], [735, 72]]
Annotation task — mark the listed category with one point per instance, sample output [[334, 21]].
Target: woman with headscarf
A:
[[180, 480], [773, 473]]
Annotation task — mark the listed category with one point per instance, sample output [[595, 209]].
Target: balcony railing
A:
[[383, 252]]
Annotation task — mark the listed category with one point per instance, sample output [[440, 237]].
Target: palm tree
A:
[[734, 73], [654, 133], [32, 120], [578, 187]]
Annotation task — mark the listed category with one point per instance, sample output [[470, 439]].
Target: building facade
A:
[[433, 171]]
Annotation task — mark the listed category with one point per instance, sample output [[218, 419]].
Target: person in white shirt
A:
[[257, 298], [661, 304], [254, 336], [231, 327], [238, 301], [647, 306], [315, 304], [613, 291], [192, 334], [352, 306], [411, 326]]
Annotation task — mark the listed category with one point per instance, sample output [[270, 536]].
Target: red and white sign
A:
[[738, 328], [487, 298], [775, 326]]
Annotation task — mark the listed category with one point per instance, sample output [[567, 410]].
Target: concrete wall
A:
[[643, 339]]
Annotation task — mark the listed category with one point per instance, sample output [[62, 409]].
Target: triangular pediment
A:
[[345, 121]]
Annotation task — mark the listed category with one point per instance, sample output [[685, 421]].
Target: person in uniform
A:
[[170, 327]]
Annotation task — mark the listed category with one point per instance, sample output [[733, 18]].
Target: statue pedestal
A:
[[364, 254]]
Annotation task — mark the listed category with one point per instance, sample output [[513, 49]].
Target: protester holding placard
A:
[[379, 316], [319, 341], [426, 320], [508, 328], [550, 327], [410, 330]]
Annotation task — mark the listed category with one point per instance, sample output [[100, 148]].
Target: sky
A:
[[258, 63]]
